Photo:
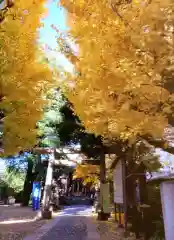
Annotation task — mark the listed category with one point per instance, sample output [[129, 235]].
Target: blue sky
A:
[[57, 17]]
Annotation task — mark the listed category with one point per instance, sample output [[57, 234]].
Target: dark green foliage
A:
[[70, 128], [70, 131]]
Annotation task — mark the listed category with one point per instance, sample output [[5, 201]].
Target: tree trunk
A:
[[102, 169], [28, 183], [143, 185], [147, 225], [102, 215]]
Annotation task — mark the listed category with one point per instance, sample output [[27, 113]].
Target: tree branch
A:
[[160, 143], [3, 11]]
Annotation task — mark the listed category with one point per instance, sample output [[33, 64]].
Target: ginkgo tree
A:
[[125, 47], [24, 75], [88, 172], [124, 50]]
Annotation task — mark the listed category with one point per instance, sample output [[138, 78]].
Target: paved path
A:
[[69, 228], [71, 224]]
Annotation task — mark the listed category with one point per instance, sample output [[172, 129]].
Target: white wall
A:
[[2, 167]]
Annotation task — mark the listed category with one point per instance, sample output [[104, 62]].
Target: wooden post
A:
[[124, 194], [119, 217], [72, 193], [115, 211], [78, 188]]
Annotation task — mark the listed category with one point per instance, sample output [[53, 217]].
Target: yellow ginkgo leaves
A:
[[124, 50], [23, 78], [88, 172]]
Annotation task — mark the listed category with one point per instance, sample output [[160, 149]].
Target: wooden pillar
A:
[[73, 187], [83, 190], [78, 187], [124, 194]]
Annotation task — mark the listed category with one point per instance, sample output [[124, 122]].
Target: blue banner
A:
[[36, 193]]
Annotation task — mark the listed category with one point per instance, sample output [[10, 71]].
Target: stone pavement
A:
[[69, 228], [73, 223]]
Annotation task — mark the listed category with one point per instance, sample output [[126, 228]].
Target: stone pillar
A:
[[167, 199]]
